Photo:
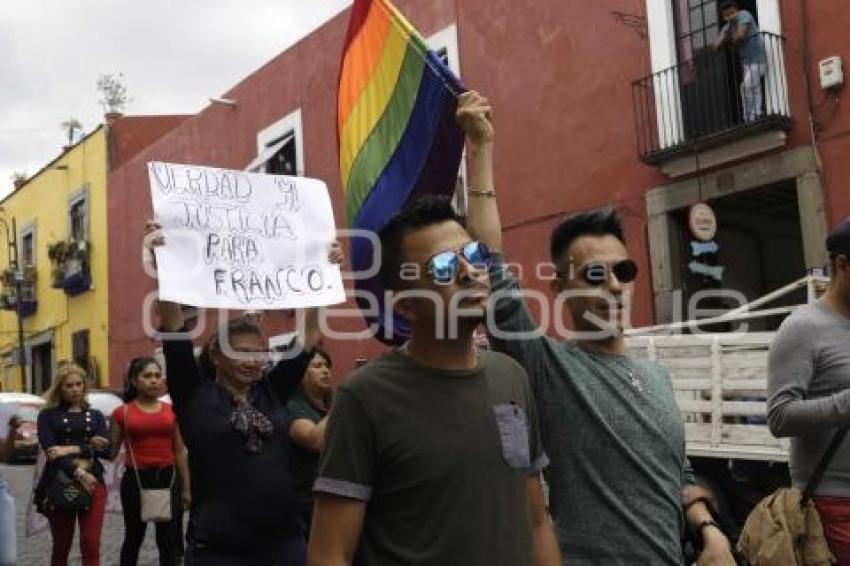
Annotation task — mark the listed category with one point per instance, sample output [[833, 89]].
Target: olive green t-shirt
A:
[[442, 458]]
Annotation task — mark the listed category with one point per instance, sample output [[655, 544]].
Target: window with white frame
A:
[[28, 243], [280, 147], [445, 44], [78, 216]]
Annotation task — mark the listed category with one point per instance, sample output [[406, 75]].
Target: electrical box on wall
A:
[[831, 73]]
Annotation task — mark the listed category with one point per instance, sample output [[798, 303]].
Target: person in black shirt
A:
[[307, 414], [243, 507], [74, 436]]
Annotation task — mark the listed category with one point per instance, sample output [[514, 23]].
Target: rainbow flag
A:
[[398, 139]]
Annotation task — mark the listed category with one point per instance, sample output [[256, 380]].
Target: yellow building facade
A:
[[60, 220]]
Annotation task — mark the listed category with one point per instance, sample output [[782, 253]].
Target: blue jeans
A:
[[8, 551], [751, 92]]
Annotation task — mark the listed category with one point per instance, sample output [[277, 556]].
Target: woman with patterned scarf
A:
[[243, 508]]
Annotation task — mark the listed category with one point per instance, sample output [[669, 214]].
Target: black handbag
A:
[[67, 494]]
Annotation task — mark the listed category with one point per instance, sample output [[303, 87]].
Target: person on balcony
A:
[[741, 30]]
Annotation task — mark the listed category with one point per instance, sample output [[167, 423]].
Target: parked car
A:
[[104, 401], [26, 407]]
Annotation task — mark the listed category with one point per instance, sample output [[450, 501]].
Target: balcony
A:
[[70, 266], [9, 293], [697, 105]]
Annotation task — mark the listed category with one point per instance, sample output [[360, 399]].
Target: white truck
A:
[[720, 382]]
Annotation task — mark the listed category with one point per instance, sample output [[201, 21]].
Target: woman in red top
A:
[[155, 457]]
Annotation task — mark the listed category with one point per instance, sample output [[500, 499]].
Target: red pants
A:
[[91, 524], [835, 516]]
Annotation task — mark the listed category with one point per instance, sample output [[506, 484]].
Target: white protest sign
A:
[[240, 240]]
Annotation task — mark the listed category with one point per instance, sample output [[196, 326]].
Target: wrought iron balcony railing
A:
[[705, 101]]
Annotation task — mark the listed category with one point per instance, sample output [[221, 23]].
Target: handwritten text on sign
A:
[[243, 240]]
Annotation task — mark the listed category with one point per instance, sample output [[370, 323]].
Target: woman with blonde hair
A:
[[71, 489]]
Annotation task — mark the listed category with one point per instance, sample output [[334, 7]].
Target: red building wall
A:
[[130, 134], [305, 76], [559, 75], [560, 81], [828, 35]]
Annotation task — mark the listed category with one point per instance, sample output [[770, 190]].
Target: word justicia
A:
[[239, 220]]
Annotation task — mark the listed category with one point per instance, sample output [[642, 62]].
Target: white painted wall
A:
[[662, 48]]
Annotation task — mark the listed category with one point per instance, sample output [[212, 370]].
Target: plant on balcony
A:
[[7, 297], [70, 266], [9, 294], [8, 278]]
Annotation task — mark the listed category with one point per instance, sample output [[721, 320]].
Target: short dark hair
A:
[[421, 213], [596, 222], [322, 353], [728, 5], [838, 240]]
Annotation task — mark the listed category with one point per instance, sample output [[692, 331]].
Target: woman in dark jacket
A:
[[243, 505], [74, 436]]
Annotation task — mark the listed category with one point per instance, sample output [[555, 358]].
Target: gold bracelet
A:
[[487, 194]]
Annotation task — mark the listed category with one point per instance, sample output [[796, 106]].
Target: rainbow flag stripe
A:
[[398, 138]]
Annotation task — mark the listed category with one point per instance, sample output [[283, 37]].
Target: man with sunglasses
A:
[[619, 475], [432, 450], [808, 386]]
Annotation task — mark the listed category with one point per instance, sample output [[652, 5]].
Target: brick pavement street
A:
[[35, 551]]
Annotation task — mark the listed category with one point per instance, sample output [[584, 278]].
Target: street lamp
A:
[[18, 276]]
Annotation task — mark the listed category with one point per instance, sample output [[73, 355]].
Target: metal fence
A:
[[706, 99]]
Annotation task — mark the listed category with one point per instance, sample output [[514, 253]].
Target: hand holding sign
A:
[[242, 240]]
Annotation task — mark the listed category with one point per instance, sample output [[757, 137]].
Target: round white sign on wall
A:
[[703, 222]]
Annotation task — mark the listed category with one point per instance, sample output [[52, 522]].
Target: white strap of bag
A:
[[133, 459]]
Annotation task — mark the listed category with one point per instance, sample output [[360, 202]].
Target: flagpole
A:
[[424, 56]]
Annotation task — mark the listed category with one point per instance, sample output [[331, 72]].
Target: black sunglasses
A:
[[444, 266], [596, 273]]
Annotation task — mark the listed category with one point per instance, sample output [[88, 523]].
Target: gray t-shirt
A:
[[750, 50], [442, 457], [809, 392], [617, 449]]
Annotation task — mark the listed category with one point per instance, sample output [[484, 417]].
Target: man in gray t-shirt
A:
[[742, 31], [809, 392], [610, 424]]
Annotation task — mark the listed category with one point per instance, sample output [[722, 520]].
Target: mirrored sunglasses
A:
[[444, 266]]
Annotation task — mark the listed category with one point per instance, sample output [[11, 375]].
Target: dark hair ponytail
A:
[[136, 367]]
